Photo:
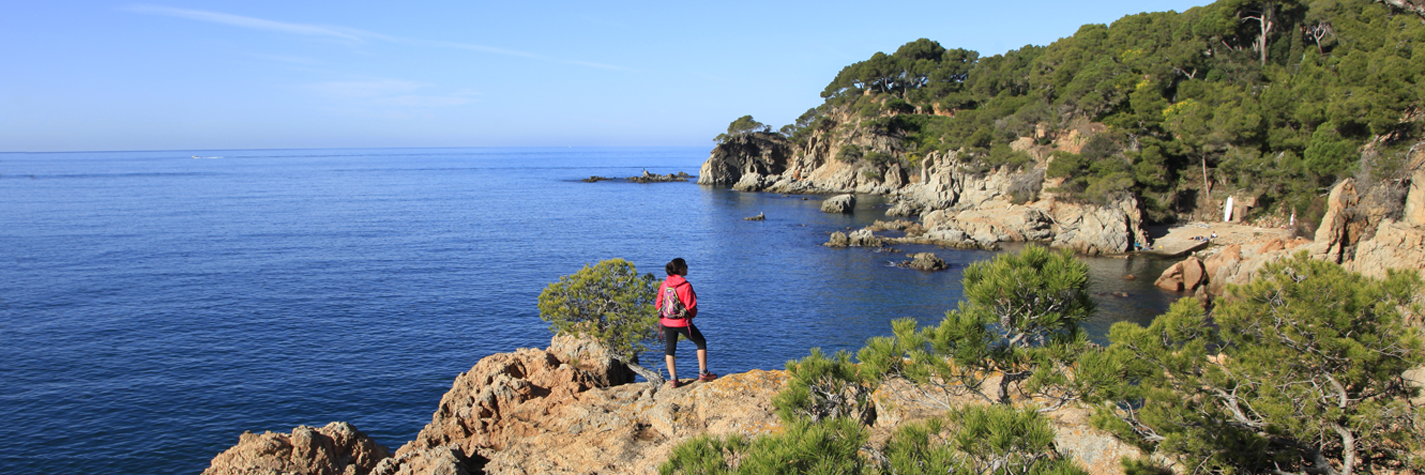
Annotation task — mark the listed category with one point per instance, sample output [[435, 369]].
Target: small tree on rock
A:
[[743, 125], [609, 302]]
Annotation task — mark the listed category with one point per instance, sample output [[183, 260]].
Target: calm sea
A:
[[153, 305]]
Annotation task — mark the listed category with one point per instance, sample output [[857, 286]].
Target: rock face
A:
[[960, 207], [839, 204], [533, 411], [337, 449], [756, 153]]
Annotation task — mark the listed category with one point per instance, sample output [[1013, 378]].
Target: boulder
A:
[[759, 217], [337, 449], [1185, 275], [839, 204], [838, 239], [1219, 267]]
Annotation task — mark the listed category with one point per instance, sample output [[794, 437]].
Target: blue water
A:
[[154, 306]]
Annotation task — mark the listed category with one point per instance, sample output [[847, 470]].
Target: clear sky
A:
[[191, 74]]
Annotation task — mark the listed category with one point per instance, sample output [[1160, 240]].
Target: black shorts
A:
[[670, 338]]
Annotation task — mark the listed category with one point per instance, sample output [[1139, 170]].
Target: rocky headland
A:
[[959, 206], [571, 409]]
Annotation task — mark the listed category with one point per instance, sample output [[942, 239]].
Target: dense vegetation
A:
[[1297, 372], [1275, 97]]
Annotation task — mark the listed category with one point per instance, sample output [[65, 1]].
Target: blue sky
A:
[[182, 74]]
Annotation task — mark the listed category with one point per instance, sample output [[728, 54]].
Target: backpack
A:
[[672, 308]]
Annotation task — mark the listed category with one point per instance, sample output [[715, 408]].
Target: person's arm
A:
[[691, 299]]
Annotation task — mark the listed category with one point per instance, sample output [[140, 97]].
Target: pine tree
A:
[[609, 302]]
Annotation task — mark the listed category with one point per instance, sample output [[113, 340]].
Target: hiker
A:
[[677, 305]]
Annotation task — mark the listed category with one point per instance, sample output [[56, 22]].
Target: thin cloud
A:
[[342, 33], [257, 23]]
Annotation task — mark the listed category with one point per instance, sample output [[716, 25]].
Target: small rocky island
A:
[[646, 177]]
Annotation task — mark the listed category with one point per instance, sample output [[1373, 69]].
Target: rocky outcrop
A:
[[337, 449], [656, 178], [839, 204], [1094, 230], [960, 207], [926, 261], [554, 411], [758, 153], [1394, 246], [857, 238], [550, 411]]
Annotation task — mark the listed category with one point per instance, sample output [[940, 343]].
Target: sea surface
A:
[[155, 305]]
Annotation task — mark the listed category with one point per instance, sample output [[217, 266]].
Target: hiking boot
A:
[[706, 377], [673, 383]]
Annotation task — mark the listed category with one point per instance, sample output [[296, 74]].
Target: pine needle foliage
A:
[[825, 388], [609, 302], [1021, 320], [1298, 371], [830, 446]]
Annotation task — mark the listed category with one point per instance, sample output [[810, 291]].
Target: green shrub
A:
[[609, 302], [1298, 370]]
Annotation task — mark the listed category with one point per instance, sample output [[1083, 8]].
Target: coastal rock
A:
[[1220, 266], [656, 178], [1185, 275], [531, 411], [839, 204], [1094, 230], [926, 261], [759, 217], [758, 152], [857, 238], [337, 449]]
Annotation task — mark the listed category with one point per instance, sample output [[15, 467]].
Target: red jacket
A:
[[685, 295]]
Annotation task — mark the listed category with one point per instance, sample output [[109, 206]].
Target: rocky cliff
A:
[[960, 206]]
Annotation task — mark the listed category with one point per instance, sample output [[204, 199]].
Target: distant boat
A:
[[195, 157]]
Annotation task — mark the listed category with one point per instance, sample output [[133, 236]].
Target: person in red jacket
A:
[[672, 327]]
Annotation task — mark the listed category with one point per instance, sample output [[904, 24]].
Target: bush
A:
[[1297, 371], [825, 388], [1021, 320], [609, 302]]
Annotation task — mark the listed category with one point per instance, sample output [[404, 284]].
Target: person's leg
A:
[[670, 348], [697, 338]]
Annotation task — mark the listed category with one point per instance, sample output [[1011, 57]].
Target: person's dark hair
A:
[[676, 266]]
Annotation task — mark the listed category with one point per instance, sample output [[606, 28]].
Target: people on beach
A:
[[676, 318]]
